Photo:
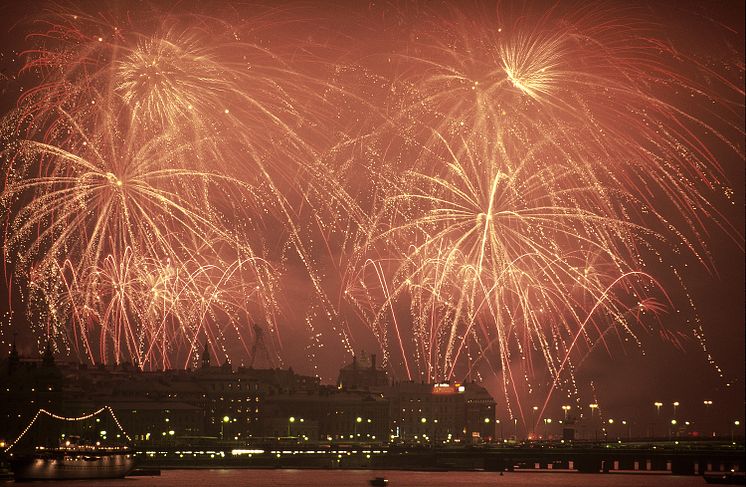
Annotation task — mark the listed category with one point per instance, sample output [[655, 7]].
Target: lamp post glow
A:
[[423, 420], [533, 420], [707, 404], [675, 406], [291, 420], [593, 407], [657, 405], [629, 429], [226, 419], [566, 408]]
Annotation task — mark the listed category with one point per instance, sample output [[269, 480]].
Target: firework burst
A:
[[122, 160], [490, 192], [548, 169]]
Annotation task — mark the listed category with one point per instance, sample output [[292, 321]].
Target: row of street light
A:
[[566, 408], [675, 405], [594, 407]]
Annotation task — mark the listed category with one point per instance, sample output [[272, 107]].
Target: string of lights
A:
[[66, 418]]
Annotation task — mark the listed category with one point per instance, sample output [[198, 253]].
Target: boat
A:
[[73, 461], [379, 482], [726, 478], [72, 465]]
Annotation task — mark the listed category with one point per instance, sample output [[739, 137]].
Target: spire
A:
[[206, 356]]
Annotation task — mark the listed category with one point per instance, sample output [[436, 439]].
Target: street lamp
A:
[[657, 405], [423, 420], [707, 404], [629, 429], [566, 408], [593, 407], [533, 420], [226, 419], [675, 405], [291, 420]]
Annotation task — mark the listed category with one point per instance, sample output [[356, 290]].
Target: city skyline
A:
[[246, 405]]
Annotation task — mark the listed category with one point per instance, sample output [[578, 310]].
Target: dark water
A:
[[353, 478]]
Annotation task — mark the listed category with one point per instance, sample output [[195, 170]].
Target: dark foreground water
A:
[[353, 478]]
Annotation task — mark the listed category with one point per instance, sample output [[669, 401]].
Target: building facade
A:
[[219, 403]]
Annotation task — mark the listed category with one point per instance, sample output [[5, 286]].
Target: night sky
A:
[[351, 160]]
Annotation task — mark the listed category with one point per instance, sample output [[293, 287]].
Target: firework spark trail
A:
[[595, 85], [642, 305], [177, 303], [90, 215], [550, 161], [477, 235], [523, 176], [117, 173]]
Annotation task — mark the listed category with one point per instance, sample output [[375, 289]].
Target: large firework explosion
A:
[[485, 191], [550, 163], [125, 156]]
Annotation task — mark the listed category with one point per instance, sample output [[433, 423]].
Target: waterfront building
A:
[[441, 413], [220, 403], [337, 415]]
